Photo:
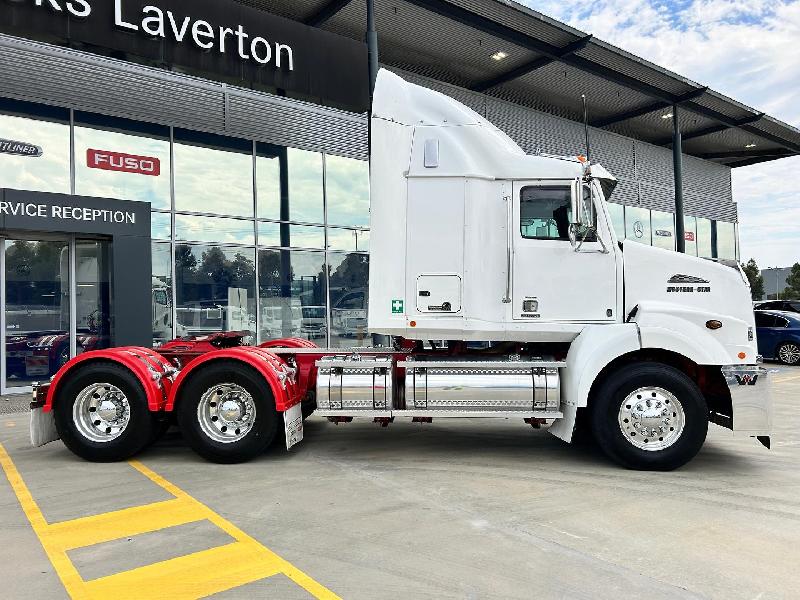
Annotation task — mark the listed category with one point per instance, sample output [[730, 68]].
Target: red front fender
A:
[[280, 377], [150, 368]]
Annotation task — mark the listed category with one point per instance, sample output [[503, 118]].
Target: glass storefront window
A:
[[162, 295], [215, 289], [213, 174], [637, 224], [347, 191], [93, 294], [348, 240], [161, 226], [663, 224], [690, 230], [305, 186], [124, 165], [726, 240], [291, 236], [37, 310], [214, 229], [49, 172], [617, 213], [349, 281], [292, 295], [704, 237], [268, 181]]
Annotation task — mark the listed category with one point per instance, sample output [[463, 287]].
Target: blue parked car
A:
[[778, 335]]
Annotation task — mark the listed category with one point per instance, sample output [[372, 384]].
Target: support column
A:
[[677, 168], [372, 45]]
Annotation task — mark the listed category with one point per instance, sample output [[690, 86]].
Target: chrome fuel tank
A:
[[354, 383]]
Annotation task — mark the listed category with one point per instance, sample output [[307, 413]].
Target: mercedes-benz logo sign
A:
[[638, 229]]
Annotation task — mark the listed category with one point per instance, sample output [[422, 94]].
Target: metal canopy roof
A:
[[548, 66]]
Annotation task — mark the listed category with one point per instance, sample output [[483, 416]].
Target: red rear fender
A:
[[281, 378], [151, 369]]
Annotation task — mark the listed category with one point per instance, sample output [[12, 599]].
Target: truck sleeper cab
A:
[[511, 258]]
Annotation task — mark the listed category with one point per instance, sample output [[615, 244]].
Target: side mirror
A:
[[583, 225]]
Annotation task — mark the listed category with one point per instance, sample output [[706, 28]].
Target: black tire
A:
[[788, 353], [265, 427], [607, 426], [137, 434]]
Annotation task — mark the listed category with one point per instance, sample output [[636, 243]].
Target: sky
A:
[[745, 49]]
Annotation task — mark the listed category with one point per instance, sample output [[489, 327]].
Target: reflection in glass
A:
[[213, 179], [162, 295], [292, 295], [268, 181], [347, 191], [37, 310], [617, 213], [663, 224], [215, 289], [93, 294], [152, 184], [214, 229], [349, 281], [291, 236], [726, 240], [348, 240], [305, 186], [637, 224], [690, 229], [46, 173], [161, 226], [704, 237]]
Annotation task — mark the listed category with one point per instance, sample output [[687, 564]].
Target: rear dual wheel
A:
[[102, 414], [649, 416], [227, 413]]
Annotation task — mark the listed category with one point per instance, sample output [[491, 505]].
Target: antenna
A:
[[586, 127]]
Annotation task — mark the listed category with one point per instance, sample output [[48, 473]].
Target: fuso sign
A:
[[126, 163]]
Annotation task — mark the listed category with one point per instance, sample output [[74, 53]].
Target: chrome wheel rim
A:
[[790, 354], [101, 412], [226, 413], [651, 418]]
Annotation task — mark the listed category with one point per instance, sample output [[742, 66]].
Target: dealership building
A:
[[172, 167]]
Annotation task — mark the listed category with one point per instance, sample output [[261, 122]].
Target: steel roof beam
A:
[[646, 110], [778, 153], [531, 66], [481, 23], [326, 13], [716, 129]]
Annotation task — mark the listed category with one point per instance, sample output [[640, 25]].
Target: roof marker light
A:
[[500, 55]]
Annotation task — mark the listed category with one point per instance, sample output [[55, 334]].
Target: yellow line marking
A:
[[187, 577]]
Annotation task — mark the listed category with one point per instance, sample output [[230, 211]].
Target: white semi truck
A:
[[508, 295]]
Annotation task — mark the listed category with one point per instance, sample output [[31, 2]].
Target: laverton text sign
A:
[[219, 37]]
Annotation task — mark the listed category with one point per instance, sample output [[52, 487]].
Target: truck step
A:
[[436, 414]]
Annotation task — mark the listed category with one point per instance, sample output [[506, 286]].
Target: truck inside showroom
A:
[[512, 260]]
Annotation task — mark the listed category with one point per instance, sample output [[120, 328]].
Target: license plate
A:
[[293, 422]]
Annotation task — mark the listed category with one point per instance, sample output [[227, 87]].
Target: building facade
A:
[[255, 187]]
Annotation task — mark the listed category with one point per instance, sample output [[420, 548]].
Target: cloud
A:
[[746, 49]]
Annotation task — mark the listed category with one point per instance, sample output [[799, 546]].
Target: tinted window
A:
[[781, 322], [544, 212], [764, 320], [794, 306]]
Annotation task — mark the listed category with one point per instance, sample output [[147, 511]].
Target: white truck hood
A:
[[677, 292]]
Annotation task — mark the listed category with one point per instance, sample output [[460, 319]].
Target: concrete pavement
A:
[[452, 509]]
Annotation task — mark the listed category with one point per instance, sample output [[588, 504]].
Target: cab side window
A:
[[764, 320], [545, 212]]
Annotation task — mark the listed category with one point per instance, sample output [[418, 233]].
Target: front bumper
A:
[[751, 398]]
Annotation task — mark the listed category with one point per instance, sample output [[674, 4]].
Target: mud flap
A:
[[293, 423], [43, 427]]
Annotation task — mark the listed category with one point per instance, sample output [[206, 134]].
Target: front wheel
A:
[[649, 416], [227, 413], [101, 413], [789, 353]]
